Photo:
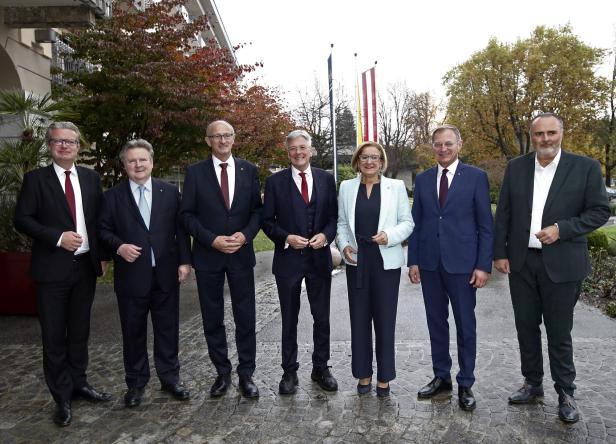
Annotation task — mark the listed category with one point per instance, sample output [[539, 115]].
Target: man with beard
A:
[[550, 199]]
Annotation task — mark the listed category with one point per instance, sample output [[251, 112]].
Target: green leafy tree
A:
[[494, 94]]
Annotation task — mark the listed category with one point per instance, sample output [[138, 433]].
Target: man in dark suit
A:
[[221, 209], [58, 207], [549, 201], [300, 214], [140, 223], [450, 253]]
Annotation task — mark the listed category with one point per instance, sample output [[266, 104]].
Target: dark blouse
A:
[[367, 213]]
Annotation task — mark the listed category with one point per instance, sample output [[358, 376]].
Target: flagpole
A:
[[332, 111], [358, 120]]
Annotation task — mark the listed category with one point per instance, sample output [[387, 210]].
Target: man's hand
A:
[[502, 265], [348, 251], [297, 242], [229, 244], [104, 267], [71, 240], [548, 235], [129, 252], [414, 274], [183, 272], [479, 278], [380, 238], [317, 241]]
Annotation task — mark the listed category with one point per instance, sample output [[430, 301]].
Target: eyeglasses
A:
[[302, 149], [67, 142], [447, 145], [367, 157], [226, 136]]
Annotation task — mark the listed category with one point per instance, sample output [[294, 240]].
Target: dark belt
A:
[[535, 250], [361, 264], [81, 256]]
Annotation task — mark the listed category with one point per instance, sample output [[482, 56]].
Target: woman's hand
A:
[[380, 238], [348, 252]]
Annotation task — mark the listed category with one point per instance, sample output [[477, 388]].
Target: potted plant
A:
[[25, 117]]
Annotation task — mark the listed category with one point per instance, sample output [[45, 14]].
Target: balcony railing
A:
[[63, 62]]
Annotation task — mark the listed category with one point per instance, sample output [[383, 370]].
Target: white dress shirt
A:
[[81, 219], [230, 174], [451, 172], [298, 180], [543, 180]]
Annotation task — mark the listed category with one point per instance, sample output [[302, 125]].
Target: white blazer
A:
[[394, 219]]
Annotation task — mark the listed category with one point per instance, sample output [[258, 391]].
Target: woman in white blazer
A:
[[374, 218]]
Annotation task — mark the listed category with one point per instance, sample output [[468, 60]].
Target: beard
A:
[[547, 152]]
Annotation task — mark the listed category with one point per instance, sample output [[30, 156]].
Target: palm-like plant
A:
[[31, 114]]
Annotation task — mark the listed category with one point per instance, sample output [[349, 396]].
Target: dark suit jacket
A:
[[279, 220], [205, 215], [577, 202], [42, 213], [121, 223], [460, 235]]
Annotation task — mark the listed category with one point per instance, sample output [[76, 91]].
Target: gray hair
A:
[[545, 116], [62, 125], [444, 127], [209, 127], [136, 143], [298, 133]]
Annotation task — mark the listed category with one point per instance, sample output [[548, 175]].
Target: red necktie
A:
[[224, 183], [304, 188], [70, 196], [443, 188]]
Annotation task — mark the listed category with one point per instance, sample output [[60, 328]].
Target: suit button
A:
[[440, 217]]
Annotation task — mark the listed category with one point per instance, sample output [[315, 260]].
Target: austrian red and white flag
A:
[[368, 85]]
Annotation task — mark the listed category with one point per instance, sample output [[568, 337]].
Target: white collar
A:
[[554, 161], [60, 171], [230, 162], [451, 169], [134, 186], [295, 172]]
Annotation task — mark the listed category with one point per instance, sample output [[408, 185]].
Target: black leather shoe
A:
[[466, 399], [248, 387], [434, 387], [220, 386], [567, 408], [382, 392], [325, 379], [178, 391], [89, 393], [63, 415], [288, 383], [133, 396], [526, 394]]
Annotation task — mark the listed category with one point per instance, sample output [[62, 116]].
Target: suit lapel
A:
[[128, 200], [240, 178], [56, 190], [157, 201], [352, 196], [385, 201], [562, 171], [85, 188], [455, 184], [431, 178], [528, 180], [319, 187], [210, 175], [292, 190]]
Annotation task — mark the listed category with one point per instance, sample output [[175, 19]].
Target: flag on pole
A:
[[332, 112], [358, 120], [368, 83]]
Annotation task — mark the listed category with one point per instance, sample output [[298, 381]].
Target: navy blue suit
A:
[[205, 216], [448, 244], [284, 213], [141, 288]]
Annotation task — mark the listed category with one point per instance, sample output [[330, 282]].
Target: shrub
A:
[[598, 240]]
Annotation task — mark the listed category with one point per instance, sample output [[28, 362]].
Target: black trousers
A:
[[318, 288], [64, 315], [211, 297], [164, 307], [376, 301], [535, 297]]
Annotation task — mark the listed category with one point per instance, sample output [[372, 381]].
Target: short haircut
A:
[[444, 127], [298, 133], [545, 116], [62, 125], [209, 127], [360, 149], [136, 143]]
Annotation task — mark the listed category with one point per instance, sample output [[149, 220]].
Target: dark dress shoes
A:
[[434, 387], [220, 386], [63, 415], [178, 391], [466, 399], [382, 392], [133, 396], [248, 387], [567, 408], [288, 383], [526, 394], [363, 389], [325, 379], [89, 393]]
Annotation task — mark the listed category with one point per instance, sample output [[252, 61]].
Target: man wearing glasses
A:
[[450, 253], [221, 210], [300, 213], [58, 207]]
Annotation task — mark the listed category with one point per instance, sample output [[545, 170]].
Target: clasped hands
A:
[[229, 244], [380, 238], [298, 242]]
